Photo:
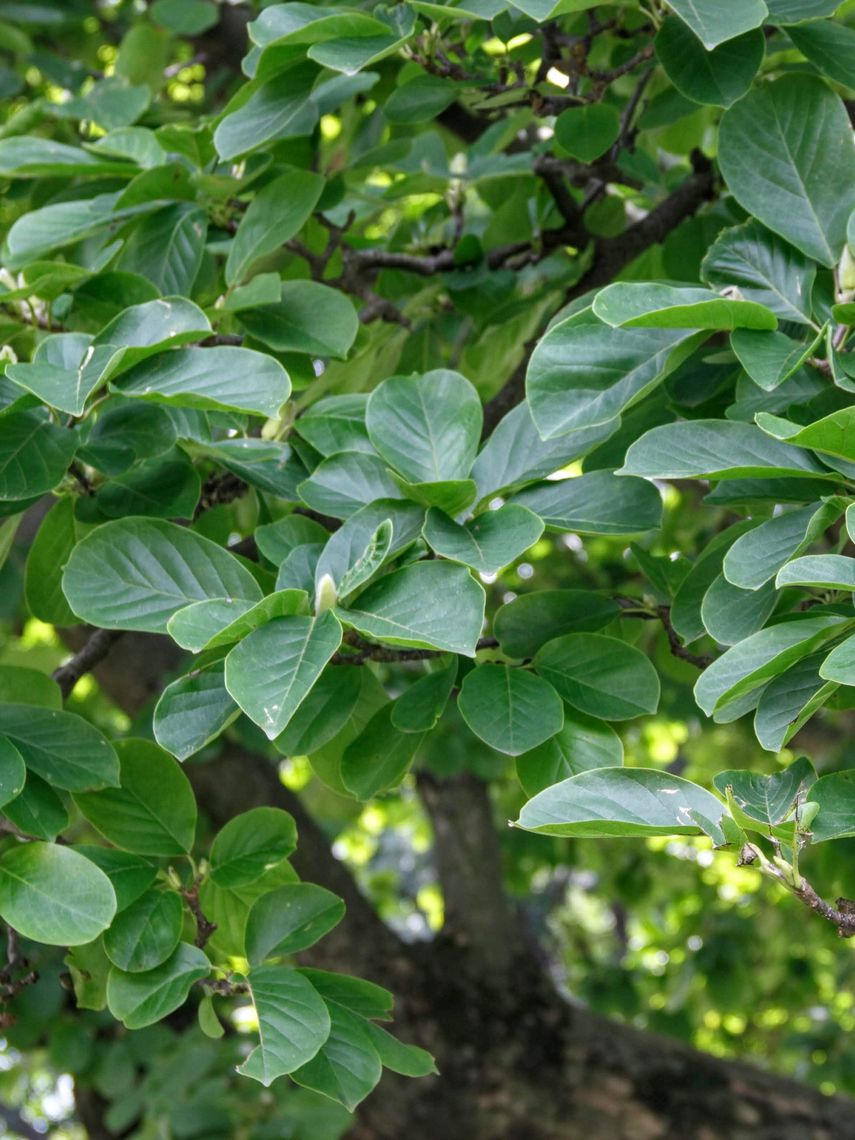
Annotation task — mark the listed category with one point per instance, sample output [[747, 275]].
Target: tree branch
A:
[[84, 660]]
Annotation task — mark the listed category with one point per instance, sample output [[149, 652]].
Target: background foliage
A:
[[405, 395]]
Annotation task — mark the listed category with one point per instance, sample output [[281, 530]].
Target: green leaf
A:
[[634, 304], [192, 710], [633, 802], [427, 427], [65, 388], [323, 713], [22, 686], [153, 812], [830, 571], [419, 708], [250, 843], [336, 423], [730, 614], [218, 379], [788, 701], [185, 17], [789, 179], [48, 553], [582, 745], [32, 157], [714, 23], [600, 675], [13, 771], [209, 1023], [143, 330], [452, 496], [342, 484], [349, 543], [379, 757], [596, 503], [768, 799], [583, 373], [429, 605], [408, 1060], [130, 875], [53, 894], [138, 1000], [308, 317], [146, 933], [38, 810], [835, 795], [839, 665], [515, 454], [715, 449], [166, 247], [718, 77], [276, 540], [274, 216], [370, 560], [794, 11], [34, 455], [293, 1023], [362, 998], [829, 46], [272, 670], [832, 434], [763, 268], [290, 919], [747, 666], [347, 1067], [587, 132], [488, 542], [770, 358], [42, 232], [420, 99], [217, 622], [523, 625], [279, 108], [60, 747], [135, 573], [511, 710], [757, 556]]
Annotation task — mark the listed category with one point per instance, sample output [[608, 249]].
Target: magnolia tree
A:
[[400, 401]]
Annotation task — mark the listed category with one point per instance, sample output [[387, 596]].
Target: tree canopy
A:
[[417, 418]]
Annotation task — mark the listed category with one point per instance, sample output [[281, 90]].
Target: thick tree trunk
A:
[[516, 1060]]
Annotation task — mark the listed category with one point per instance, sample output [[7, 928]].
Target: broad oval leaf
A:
[[800, 183], [135, 573], [510, 709], [54, 894], [488, 542], [429, 605], [146, 933], [220, 379], [599, 675], [138, 1000], [632, 802], [596, 503], [250, 843], [290, 919], [293, 1022], [153, 812], [271, 672], [427, 427]]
